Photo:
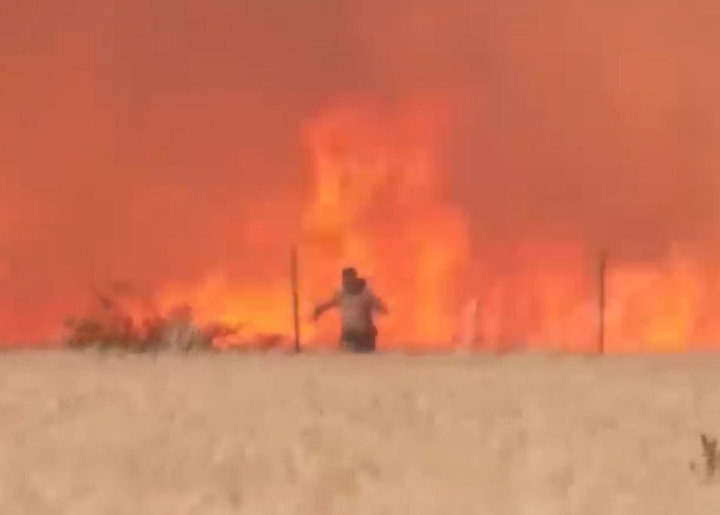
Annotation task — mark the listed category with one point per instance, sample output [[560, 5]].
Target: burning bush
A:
[[112, 324]]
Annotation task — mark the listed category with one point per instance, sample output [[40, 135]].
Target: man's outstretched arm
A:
[[324, 306]]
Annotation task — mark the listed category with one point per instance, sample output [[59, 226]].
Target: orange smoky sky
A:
[[182, 147]]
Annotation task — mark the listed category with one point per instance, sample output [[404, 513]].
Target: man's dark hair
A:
[[349, 272]]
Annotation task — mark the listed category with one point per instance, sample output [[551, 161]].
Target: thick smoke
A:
[[596, 121], [154, 142]]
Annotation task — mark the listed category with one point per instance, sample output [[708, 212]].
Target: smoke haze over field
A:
[[182, 147]]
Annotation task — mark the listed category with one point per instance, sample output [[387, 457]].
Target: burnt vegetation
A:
[[110, 325]]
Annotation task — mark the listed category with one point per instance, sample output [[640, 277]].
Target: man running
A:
[[356, 303]]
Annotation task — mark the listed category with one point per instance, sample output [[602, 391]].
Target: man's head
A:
[[349, 278]]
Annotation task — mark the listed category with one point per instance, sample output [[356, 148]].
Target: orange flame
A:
[[667, 307], [377, 201], [377, 204]]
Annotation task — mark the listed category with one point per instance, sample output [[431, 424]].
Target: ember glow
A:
[[474, 159]]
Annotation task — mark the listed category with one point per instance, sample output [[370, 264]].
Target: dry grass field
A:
[[90, 433]]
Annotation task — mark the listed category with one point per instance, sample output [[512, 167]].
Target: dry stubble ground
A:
[[106, 434]]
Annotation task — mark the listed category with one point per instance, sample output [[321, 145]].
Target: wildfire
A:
[[470, 162], [377, 201], [668, 306], [378, 204]]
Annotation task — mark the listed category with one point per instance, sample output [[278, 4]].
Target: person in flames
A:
[[357, 303]]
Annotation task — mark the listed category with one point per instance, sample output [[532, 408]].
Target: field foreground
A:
[[105, 434]]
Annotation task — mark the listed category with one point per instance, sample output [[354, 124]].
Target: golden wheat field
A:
[[113, 434]]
